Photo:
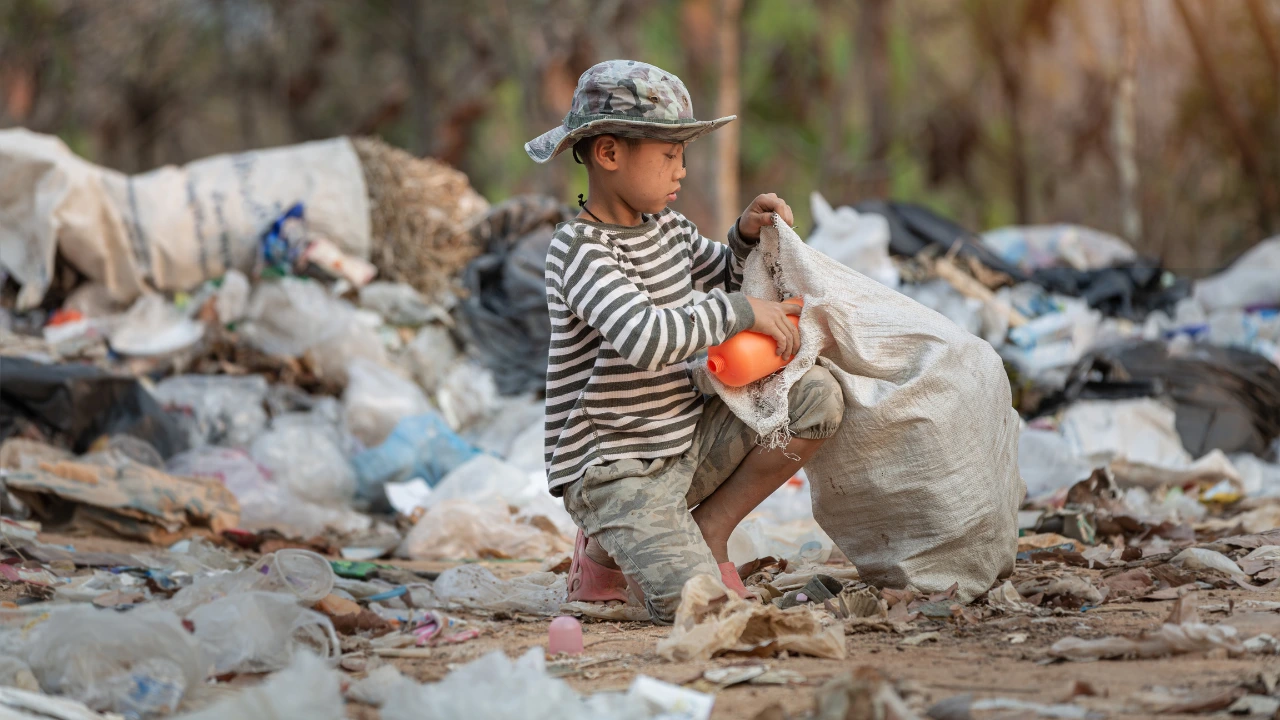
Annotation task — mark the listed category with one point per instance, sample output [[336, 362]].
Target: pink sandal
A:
[[729, 576], [589, 581]]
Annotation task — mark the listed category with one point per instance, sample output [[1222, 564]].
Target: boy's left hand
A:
[[759, 214]]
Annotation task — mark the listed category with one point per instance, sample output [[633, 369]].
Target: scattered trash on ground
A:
[[296, 469]]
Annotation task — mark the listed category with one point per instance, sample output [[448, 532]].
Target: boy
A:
[[631, 443]]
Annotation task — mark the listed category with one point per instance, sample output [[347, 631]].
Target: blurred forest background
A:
[[1157, 120]]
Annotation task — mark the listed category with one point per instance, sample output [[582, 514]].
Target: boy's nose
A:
[[681, 172]]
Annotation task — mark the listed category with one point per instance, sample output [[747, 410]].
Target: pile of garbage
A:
[[297, 373], [1113, 360]]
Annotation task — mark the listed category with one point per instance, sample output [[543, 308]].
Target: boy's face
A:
[[646, 176]]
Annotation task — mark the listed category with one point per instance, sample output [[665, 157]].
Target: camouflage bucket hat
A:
[[626, 98]]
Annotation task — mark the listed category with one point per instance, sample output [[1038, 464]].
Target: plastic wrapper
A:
[[376, 399], [308, 461], [421, 446], [308, 688], [302, 573], [472, 587], [138, 663], [256, 632], [1205, 559], [460, 528], [216, 409], [467, 395]]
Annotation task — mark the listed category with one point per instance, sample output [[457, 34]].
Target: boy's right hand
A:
[[771, 319]]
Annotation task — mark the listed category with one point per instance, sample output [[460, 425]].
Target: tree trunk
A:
[[727, 103], [1124, 128], [419, 76], [1246, 143], [873, 47]]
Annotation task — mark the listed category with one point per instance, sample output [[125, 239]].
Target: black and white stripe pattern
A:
[[625, 318]]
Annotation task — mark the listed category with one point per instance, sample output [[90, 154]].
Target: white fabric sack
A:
[[920, 485], [170, 228]]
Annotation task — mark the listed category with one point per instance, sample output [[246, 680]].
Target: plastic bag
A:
[[940, 296], [376, 399], [1032, 247], [255, 632], [308, 688], [1047, 462], [154, 327], [857, 241], [1259, 478], [1142, 431], [15, 673], [232, 299], [422, 446], [302, 573], [510, 417], [467, 395], [399, 304], [497, 687], [216, 409], [308, 461], [485, 477], [138, 663], [293, 316], [459, 528], [1251, 280], [473, 587], [431, 355], [757, 537], [264, 503]]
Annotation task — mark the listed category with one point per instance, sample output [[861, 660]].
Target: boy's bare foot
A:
[[762, 472]]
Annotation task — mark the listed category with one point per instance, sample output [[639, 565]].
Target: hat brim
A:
[[552, 143]]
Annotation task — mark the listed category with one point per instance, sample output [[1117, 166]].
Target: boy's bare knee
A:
[[817, 404]]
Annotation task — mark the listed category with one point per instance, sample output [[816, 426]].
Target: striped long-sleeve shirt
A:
[[625, 319]]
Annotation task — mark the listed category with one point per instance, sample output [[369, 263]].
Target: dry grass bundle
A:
[[420, 212]]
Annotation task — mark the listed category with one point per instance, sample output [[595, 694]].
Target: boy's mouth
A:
[[671, 196]]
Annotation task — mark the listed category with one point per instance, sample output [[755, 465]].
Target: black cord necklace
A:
[[583, 204]]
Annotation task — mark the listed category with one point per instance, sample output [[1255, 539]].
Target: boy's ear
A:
[[605, 152]]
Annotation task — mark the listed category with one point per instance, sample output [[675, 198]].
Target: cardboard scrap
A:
[[1006, 599], [130, 500], [712, 621]]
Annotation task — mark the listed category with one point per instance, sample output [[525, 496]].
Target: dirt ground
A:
[[980, 659], [1002, 656]]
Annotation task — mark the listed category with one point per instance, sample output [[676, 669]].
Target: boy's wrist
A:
[[743, 316], [739, 243]]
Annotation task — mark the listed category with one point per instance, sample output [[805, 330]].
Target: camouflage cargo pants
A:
[[638, 510]]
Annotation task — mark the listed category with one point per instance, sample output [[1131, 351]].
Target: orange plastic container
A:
[[748, 356]]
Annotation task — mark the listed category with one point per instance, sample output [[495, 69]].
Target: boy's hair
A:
[[582, 148]]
